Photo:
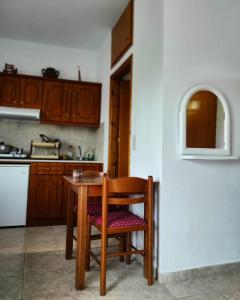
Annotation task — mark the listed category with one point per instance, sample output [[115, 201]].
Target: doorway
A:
[[120, 120]]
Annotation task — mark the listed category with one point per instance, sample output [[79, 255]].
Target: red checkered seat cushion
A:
[[119, 218]]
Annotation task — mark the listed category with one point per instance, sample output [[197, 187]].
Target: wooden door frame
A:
[[125, 68]]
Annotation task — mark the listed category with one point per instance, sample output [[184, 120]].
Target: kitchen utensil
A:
[[5, 148], [46, 139]]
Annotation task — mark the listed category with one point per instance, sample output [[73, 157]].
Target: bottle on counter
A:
[[70, 152]]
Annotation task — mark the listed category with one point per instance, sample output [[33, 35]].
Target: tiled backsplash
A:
[[20, 134]]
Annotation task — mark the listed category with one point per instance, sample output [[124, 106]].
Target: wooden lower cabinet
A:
[[46, 201], [47, 197]]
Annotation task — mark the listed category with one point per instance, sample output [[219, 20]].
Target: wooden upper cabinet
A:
[[86, 104], [56, 107], [9, 90], [122, 34], [31, 93], [65, 102]]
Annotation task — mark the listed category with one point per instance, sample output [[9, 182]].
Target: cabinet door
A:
[[31, 93], [45, 203], [122, 34], [86, 102], [56, 102], [9, 90]]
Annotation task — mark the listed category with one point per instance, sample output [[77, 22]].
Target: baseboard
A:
[[203, 272]]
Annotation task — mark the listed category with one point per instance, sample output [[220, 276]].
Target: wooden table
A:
[[84, 188]]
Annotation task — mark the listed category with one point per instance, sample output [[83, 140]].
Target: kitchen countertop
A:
[[21, 160]]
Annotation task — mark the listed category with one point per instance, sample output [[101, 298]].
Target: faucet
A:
[[80, 152]]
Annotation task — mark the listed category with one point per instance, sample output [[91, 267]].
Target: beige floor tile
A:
[[51, 296], [232, 295], [41, 243], [211, 296], [93, 293], [36, 285], [11, 288], [12, 267], [12, 250], [43, 262], [12, 233], [224, 282], [44, 230], [10, 241], [189, 288], [154, 292]]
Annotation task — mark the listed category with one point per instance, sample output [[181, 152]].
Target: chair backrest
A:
[[127, 191]]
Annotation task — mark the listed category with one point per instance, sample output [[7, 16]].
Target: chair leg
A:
[[145, 264], [88, 248], [103, 264], [122, 246], [128, 247], [150, 257]]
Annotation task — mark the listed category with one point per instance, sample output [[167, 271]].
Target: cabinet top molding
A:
[[49, 79]]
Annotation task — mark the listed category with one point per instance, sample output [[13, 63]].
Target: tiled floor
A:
[[32, 266]]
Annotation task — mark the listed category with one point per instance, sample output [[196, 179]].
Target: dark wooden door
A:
[[86, 105], [113, 129], [56, 106], [201, 120], [46, 202], [31, 93], [124, 128], [9, 90]]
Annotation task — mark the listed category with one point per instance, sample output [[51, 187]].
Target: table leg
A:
[[81, 237], [69, 229]]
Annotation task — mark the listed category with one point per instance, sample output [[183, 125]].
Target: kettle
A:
[[50, 73]]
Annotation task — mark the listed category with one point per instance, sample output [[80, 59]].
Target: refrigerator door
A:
[[13, 194]]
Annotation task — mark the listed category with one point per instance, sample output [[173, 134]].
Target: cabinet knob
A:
[[15, 102], [48, 169], [22, 102]]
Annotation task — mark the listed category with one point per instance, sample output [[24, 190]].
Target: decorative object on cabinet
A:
[[45, 150], [9, 69], [79, 74], [50, 73], [204, 122]]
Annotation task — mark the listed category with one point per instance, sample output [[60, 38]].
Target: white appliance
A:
[[13, 194], [19, 113]]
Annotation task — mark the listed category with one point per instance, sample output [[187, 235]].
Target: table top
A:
[[84, 180]]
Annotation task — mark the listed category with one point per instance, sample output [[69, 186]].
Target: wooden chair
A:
[[94, 208], [134, 190]]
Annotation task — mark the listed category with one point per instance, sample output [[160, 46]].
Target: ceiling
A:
[[69, 23]]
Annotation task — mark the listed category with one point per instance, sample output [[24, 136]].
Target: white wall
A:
[[200, 207], [31, 58]]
